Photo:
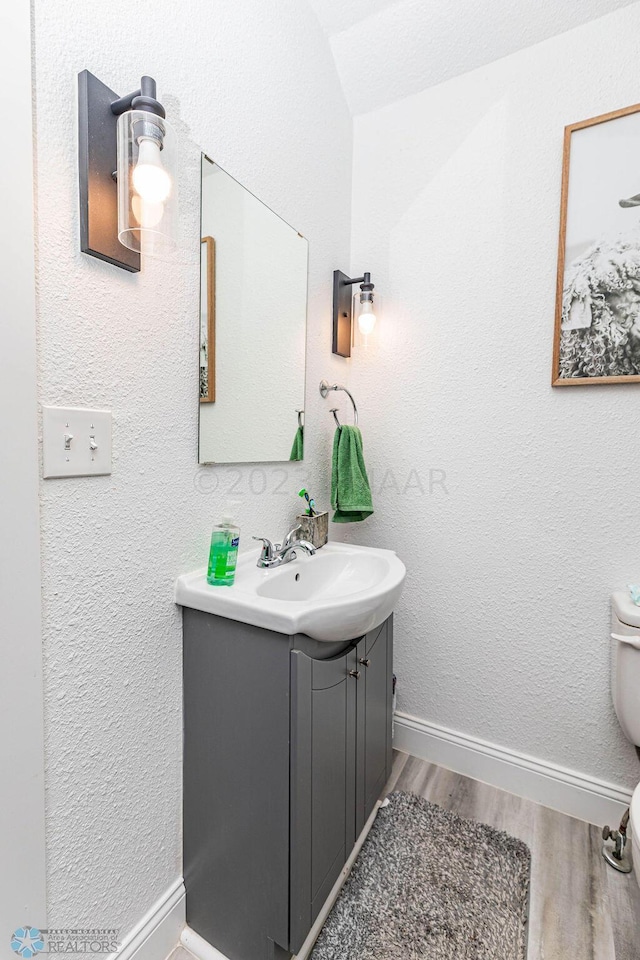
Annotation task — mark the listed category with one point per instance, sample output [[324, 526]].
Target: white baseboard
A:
[[565, 790], [198, 946], [158, 932]]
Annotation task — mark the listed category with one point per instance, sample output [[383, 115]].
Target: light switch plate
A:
[[75, 442]]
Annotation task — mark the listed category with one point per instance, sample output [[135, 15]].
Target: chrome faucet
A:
[[275, 554], [288, 540]]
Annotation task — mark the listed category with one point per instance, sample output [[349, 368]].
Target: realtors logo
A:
[[29, 941], [26, 942]]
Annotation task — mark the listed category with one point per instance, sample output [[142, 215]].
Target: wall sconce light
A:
[[127, 176], [344, 305]]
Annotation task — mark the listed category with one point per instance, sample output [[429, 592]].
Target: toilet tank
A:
[[625, 664]]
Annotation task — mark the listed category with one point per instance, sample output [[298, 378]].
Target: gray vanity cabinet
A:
[[323, 780], [374, 720], [340, 762], [287, 749]]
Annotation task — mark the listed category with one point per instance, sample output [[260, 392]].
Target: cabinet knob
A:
[[354, 673], [365, 661]]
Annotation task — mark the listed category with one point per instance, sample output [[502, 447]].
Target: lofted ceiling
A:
[[387, 49]]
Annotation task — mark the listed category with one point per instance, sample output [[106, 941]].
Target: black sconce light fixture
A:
[[127, 174], [343, 308]]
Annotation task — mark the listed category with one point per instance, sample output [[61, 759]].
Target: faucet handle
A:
[[291, 535], [267, 548]]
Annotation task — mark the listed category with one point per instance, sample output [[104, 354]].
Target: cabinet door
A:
[[236, 785], [373, 759], [323, 722]]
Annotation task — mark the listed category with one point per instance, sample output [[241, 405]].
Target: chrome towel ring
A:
[[325, 387]]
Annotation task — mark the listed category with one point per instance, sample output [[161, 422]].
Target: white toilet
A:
[[625, 689]]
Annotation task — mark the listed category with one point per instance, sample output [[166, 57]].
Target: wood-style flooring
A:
[[581, 909]]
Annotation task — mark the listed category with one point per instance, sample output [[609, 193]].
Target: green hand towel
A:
[[297, 450], [350, 491]]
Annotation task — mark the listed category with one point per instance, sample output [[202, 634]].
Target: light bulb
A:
[[150, 180], [367, 318], [147, 214]]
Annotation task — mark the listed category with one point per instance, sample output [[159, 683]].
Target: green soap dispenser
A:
[[223, 553]]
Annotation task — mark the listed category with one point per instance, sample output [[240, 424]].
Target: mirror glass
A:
[[253, 318]]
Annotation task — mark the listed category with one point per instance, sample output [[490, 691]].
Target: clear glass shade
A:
[[147, 207]]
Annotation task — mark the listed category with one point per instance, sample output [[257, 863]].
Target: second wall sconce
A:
[[343, 310], [127, 174]]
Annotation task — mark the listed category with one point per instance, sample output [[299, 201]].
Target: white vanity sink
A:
[[339, 594]]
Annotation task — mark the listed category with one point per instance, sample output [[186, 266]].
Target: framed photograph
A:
[[597, 330], [207, 320]]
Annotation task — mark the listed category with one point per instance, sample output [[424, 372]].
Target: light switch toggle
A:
[[76, 442]]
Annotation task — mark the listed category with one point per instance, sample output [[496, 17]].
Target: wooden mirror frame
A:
[[211, 319]]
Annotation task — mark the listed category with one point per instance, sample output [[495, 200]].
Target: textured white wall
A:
[[22, 843], [387, 49], [252, 83], [503, 629]]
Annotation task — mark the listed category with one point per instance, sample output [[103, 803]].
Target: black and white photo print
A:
[[597, 331]]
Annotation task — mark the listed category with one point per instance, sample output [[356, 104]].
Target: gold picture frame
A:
[[595, 330], [208, 322]]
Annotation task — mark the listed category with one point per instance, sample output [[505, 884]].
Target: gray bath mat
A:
[[428, 884]]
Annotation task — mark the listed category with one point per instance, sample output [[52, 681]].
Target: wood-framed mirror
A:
[[207, 320], [253, 320]]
